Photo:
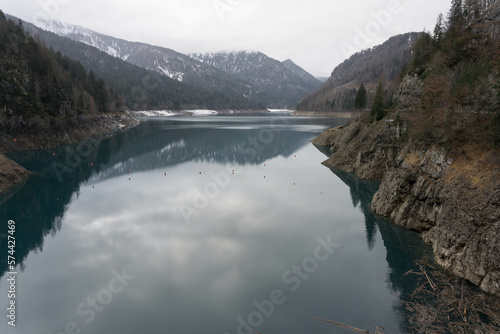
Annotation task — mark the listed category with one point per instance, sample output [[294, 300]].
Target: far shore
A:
[[345, 114], [246, 112]]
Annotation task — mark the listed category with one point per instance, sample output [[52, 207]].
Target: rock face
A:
[[454, 203], [409, 93], [363, 150], [10, 173], [411, 195]]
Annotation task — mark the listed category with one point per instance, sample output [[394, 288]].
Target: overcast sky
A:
[[316, 34]]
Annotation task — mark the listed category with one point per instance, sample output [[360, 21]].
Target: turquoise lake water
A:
[[202, 225]]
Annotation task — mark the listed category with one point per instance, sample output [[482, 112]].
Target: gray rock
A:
[[421, 192]]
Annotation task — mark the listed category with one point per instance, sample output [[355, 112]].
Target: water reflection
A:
[[157, 143], [203, 276], [404, 248]]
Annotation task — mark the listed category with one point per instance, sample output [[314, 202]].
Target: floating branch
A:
[[345, 326]]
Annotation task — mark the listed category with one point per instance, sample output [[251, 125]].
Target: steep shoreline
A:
[[18, 134], [454, 201], [11, 173]]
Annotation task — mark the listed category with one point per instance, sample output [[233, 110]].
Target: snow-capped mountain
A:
[[250, 74], [166, 61], [162, 60], [139, 88], [284, 80]]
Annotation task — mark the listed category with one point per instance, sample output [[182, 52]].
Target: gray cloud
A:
[[316, 34]]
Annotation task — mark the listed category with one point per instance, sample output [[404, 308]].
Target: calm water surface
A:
[[180, 244]]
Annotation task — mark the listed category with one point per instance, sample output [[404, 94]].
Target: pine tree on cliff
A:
[[378, 112], [439, 29], [457, 37], [456, 15], [361, 99]]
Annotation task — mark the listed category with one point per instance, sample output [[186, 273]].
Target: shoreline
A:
[[453, 201], [43, 134]]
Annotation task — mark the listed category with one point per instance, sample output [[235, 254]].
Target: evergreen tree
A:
[[404, 71], [51, 85], [439, 29], [361, 98], [457, 37], [378, 112], [423, 51], [456, 15]]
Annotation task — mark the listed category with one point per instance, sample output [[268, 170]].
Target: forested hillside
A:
[[338, 93], [278, 84], [36, 81], [140, 88], [451, 89], [164, 61]]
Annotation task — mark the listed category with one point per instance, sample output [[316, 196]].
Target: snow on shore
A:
[[163, 113]]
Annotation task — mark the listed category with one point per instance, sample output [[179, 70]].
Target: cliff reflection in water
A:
[[404, 250]]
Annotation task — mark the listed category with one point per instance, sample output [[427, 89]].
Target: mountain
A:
[[249, 74], [162, 60], [38, 82], [140, 88], [366, 67], [285, 81]]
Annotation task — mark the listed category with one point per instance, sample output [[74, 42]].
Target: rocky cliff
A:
[[10, 173], [454, 201]]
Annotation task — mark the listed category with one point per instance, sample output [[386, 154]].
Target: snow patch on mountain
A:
[[172, 74]]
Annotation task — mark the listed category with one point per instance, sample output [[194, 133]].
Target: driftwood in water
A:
[[444, 304], [343, 325]]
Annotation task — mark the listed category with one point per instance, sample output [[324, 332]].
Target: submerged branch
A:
[[345, 326]]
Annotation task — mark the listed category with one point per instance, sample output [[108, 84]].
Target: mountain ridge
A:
[[188, 69], [162, 60], [142, 89], [285, 80]]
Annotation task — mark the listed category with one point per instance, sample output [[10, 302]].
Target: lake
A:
[[213, 224]]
